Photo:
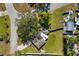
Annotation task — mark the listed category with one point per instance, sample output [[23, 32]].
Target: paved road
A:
[[13, 15]]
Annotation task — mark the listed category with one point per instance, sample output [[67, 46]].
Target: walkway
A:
[[22, 46]]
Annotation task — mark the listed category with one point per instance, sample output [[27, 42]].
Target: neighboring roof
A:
[[70, 26]]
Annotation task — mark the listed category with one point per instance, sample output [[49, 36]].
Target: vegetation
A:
[[69, 46], [28, 26], [4, 38], [3, 29], [44, 18], [71, 53], [30, 49], [55, 40], [40, 6]]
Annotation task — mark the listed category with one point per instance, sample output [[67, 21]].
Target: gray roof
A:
[[70, 26]]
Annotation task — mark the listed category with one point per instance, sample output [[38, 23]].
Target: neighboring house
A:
[[69, 25], [69, 28]]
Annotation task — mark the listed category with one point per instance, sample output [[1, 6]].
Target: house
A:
[[39, 43], [69, 28], [68, 24]]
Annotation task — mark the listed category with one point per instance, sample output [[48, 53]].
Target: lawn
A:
[[4, 22], [30, 49], [54, 44]]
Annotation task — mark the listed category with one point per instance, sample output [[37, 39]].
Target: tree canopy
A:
[[28, 26], [44, 18], [30, 23]]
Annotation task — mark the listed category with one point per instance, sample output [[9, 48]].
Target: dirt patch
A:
[[22, 7]]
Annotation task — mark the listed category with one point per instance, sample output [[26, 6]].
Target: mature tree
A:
[[28, 26], [40, 6], [44, 18], [77, 38]]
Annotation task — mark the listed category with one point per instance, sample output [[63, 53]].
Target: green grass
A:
[[3, 22], [4, 48], [30, 49], [55, 40]]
